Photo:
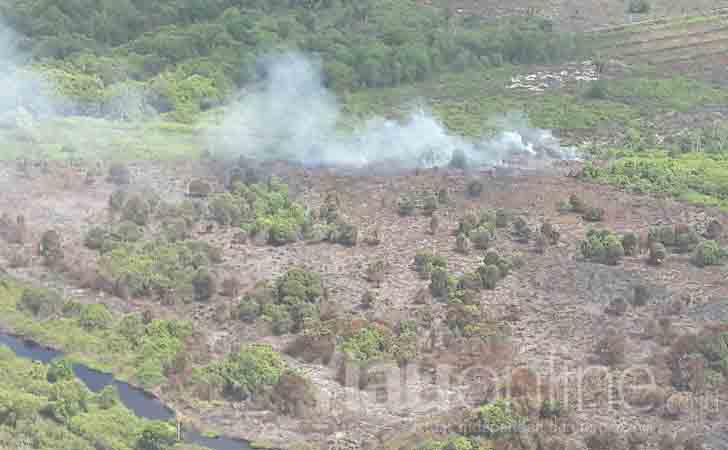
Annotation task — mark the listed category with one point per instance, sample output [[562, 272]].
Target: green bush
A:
[[425, 262], [50, 247], [597, 90], [248, 309], [249, 370], [489, 275], [367, 344], [95, 238], [594, 214], [483, 236], [40, 302], [603, 247], [576, 204], [137, 210], [439, 282], [630, 243], [429, 205], [227, 209], [95, 317], [117, 199], [157, 436], [502, 218], [346, 234], [495, 420], [282, 233], [127, 232], [406, 206], [708, 253], [552, 408], [204, 285], [474, 188], [463, 244], [639, 6], [665, 235], [60, 370], [521, 230]]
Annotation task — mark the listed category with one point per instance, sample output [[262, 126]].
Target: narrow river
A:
[[139, 402]]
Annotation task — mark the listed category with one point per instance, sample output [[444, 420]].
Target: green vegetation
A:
[[134, 350], [603, 247], [48, 406], [374, 342], [261, 208], [244, 373], [694, 177], [495, 419], [158, 267], [182, 60]]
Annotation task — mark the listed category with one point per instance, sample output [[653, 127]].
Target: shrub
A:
[[60, 370], [463, 244], [602, 247], [521, 231], [157, 436], [294, 394], [50, 247], [95, 317], [495, 420], [550, 232], [594, 214], [282, 233], [346, 234], [248, 309], [708, 253], [483, 237], [640, 295], [439, 282], [665, 235], [502, 218], [204, 285], [245, 372], [119, 174], [458, 160], [299, 285], [226, 210], [714, 230], [40, 302], [685, 239], [434, 224], [630, 243], [551, 409], [117, 199], [136, 210], [474, 188], [127, 232], [95, 238], [576, 204], [658, 254], [425, 261], [443, 198], [490, 274], [429, 205], [369, 299], [597, 90], [406, 206], [639, 6]]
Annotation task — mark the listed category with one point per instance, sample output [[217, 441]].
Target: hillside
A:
[[380, 224]]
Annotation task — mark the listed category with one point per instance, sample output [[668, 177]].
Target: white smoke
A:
[[22, 91], [290, 115]]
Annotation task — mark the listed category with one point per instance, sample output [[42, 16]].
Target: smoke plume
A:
[[21, 90], [290, 115]]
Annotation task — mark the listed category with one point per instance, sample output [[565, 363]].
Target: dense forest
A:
[[181, 57]]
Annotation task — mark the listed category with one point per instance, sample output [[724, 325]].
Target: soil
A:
[[554, 305]]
